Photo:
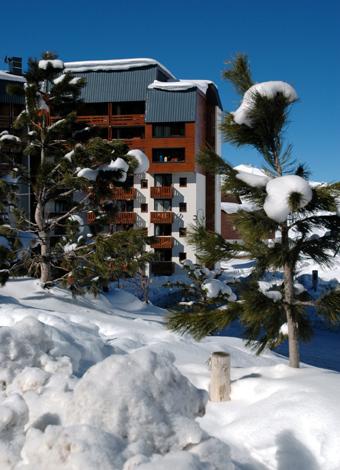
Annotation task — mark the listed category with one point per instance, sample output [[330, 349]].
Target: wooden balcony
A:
[[162, 268], [162, 217], [94, 120], [127, 120], [125, 218], [162, 192], [124, 194], [91, 217], [163, 242]]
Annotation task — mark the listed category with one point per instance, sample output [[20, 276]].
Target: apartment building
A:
[[170, 120]]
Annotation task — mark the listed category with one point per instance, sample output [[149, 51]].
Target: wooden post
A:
[[219, 389]]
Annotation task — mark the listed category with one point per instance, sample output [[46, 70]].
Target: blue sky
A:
[[293, 41]]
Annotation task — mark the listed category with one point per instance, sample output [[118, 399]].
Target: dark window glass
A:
[[182, 232], [182, 206], [130, 107], [175, 129], [125, 206], [163, 230], [163, 179], [183, 182], [144, 184], [164, 254], [162, 205], [92, 109], [182, 256], [128, 132], [102, 132], [168, 155], [144, 207]]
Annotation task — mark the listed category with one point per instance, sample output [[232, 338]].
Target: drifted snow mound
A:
[[142, 160], [276, 205], [268, 89], [142, 398], [13, 417], [30, 349]]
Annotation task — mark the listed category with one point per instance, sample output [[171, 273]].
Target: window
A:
[[183, 182], [162, 205], [125, 206], [174, 129], [144, 184], [182, 206], [164, 179], [163, 230], [182, 256], [163, 254], [130, 107], [92, 109], [143, 207], [128, 132], [168, 155], [182, 232]]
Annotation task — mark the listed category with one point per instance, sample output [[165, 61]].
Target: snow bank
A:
[[114, 64], [268, 89], [279, 189], [142, 160], [181, 85]]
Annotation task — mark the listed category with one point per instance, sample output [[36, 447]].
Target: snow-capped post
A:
[[219, 389]]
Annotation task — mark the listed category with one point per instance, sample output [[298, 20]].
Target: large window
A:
[[168, 155], [162, 230], [163, 179], [125, 206], [175, 129], [129, 107], [92, 109], [162, 205], [128, 132]]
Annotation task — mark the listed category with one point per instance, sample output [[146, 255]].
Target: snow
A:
[[234, 207], [101, 383], [9, 138], [276, 205], [215, 287], [255, 181], [181, 85], [87, 173], [114, 64], [114, 165], [142, 160], [55, 63], [11, 77], [59, 79], [75, 80], [268, 89], [284, 329]]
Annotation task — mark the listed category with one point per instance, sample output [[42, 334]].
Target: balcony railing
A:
[[122, 194], [162, 268], [163, 242], [95, 120], [128, 218], [162, 192], [162, 217], [127, 120], [91, 217]]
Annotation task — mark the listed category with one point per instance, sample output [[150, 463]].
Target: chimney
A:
[[14, 65]]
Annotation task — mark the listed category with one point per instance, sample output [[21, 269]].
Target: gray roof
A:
[[118, 85], [171, 106]]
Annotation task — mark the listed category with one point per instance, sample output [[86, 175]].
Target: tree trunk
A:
[[293, 334], [45, 248]]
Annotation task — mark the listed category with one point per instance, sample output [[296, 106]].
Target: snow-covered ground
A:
[[101, 384]]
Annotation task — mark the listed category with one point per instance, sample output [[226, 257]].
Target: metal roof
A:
[[171, 106], [118, 85]]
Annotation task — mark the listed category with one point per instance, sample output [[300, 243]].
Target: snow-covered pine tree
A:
[[69, 173], [10, 147], [204, 296], [303, 216]]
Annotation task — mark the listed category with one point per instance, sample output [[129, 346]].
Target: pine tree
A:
[[285, 203], [70, 174]]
